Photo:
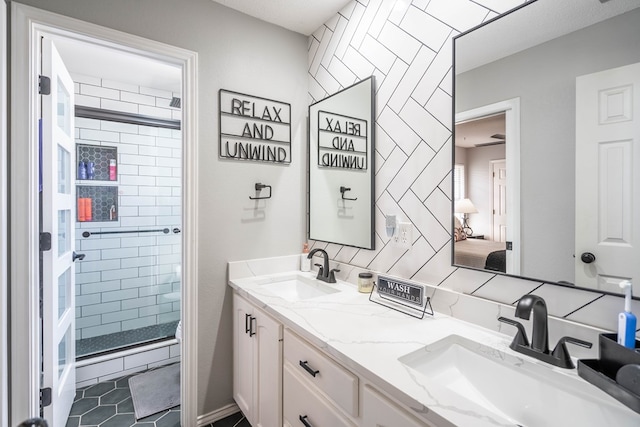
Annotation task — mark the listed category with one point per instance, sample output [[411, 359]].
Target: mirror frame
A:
[[369, 239]]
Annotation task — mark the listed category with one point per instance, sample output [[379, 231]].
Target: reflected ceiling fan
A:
[[501, 139]]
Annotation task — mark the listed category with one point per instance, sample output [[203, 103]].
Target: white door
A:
[[499, 169], [607, 176], [58, 219]]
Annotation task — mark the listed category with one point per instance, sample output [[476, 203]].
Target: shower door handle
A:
[[76, 256]]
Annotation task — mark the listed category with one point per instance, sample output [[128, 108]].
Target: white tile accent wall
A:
[[128, 281], [408, 47]]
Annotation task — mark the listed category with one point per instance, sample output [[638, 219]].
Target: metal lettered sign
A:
[[254, 128]]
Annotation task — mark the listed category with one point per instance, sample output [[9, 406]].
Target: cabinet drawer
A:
[[331, 378], [302, 401]]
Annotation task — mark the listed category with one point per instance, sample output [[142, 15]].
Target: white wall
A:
[[242, 54], [408, 46]]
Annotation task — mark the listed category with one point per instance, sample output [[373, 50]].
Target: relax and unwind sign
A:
[[342, 141], [253, 128]]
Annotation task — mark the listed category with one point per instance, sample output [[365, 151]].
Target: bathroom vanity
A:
[[281, 378], [309, 353]]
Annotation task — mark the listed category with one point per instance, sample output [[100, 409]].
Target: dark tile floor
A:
[[109, 404]]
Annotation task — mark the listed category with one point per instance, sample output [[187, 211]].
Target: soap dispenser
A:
[[305, 262]]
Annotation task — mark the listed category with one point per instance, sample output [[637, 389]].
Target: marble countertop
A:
[[369, 338]]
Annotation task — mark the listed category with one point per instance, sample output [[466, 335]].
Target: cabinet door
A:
[[382, 412], [243, 358], [269, 376]]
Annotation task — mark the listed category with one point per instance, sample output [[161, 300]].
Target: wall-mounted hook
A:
[[344, 190], [258, 188]]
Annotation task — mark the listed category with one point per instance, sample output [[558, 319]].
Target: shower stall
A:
[[128, 223]]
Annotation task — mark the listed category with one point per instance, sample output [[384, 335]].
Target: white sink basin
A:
[[512, 388], [298, 288]]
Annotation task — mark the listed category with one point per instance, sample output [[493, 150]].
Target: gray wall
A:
[[544, 79], [243, 54]]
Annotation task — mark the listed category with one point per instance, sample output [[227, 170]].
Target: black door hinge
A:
[[45, 242], [45, 397], [44, 85]]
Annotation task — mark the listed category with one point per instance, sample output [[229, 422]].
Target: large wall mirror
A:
[[547, 143], [341, 166]]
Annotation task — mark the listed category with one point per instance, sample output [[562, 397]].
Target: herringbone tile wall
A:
[[407, 45]]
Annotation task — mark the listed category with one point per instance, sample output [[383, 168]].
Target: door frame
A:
[[511, 108], [27, 24], [4, 241]]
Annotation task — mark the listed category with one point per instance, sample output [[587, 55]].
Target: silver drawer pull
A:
[[306, 367], [304, 421]]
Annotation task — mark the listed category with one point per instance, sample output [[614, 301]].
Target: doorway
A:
[[30, 26], [511, 111]]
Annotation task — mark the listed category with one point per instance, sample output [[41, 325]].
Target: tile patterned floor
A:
[[109, 404]]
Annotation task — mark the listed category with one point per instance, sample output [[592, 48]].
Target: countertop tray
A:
[[602, 372], [594, 372]]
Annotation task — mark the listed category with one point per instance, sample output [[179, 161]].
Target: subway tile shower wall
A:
[[129, 281]]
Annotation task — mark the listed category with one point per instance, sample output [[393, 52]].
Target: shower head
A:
[[175, 102]]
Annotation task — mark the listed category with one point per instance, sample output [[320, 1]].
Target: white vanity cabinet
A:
[[257, 364]]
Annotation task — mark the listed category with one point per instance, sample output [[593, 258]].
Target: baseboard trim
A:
[[217, 415]]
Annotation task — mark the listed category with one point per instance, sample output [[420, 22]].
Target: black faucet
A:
[[539, 348], [324, 273], [540, 332]]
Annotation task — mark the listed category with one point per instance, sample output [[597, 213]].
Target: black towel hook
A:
[[258, 188], [344, 190]]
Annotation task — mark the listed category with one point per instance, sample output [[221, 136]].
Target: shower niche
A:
[[96, 194]]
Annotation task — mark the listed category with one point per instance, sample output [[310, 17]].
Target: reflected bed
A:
[[478, 253]]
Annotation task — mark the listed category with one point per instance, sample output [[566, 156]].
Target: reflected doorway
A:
[[486, 175]]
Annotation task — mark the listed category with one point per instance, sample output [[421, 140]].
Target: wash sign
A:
[[342, 141], [401, 291], [253, 128]]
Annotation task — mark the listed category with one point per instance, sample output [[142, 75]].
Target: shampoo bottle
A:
[[305, 262], [626, 319], [112, 170]]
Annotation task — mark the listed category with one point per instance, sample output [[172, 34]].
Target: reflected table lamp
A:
[[465, 207]]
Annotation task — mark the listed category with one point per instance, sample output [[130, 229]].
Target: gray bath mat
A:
[[155, 391]]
